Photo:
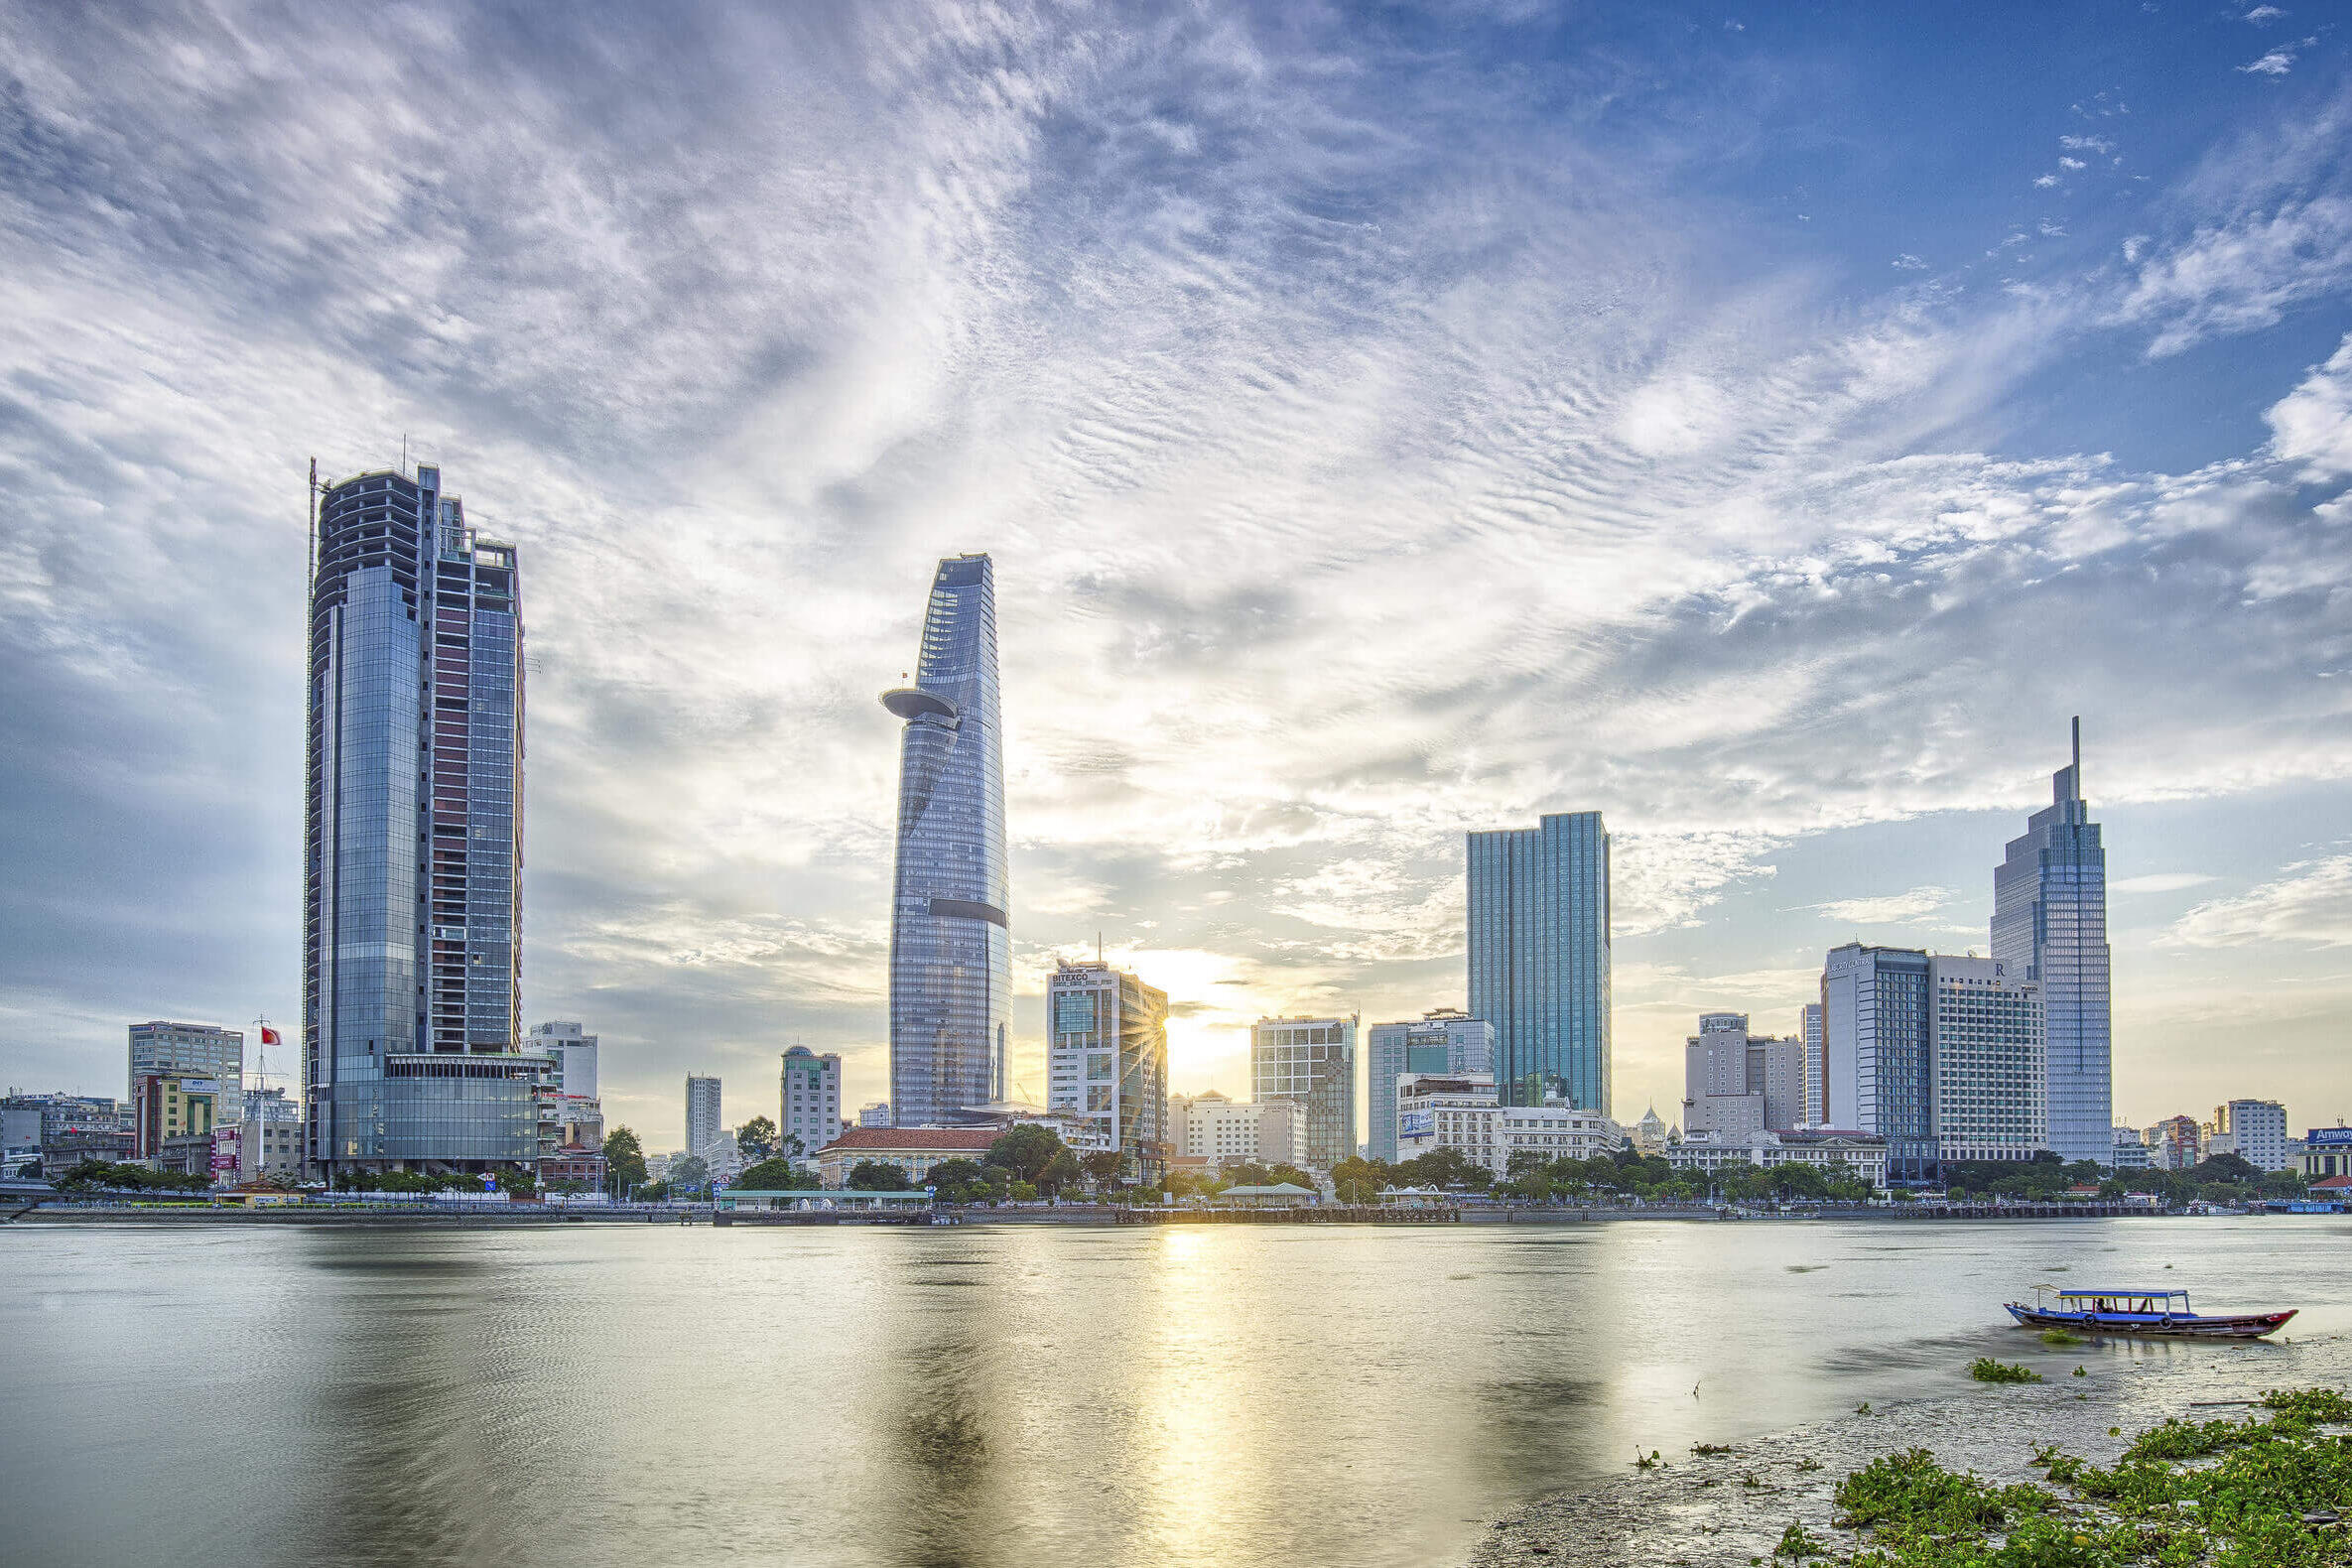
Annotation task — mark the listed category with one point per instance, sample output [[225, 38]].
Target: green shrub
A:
[[1986, 1370]]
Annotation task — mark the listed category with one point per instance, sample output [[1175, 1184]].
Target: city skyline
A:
[[1512, 464]]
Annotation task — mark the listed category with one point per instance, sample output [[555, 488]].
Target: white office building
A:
[[810, 1103], [877, 1115], [1459, 1110], [1107, 1061], [1991, 1091], [2253, 1129], [2130, 1150], [1816, 1068], [1227, 1131]]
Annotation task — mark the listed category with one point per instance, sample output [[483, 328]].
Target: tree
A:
[[520, 1180], [1025, 1150], [688, 1172], [624, 1161], [1359, 1180], [654, 1192], [1059, 1172], [876, 1176], [776, 1175], [756, 1139], [1100, 1166], [1294, 1176]]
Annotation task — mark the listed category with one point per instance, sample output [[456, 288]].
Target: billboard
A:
[[2328, 1138], [1418, 1124]]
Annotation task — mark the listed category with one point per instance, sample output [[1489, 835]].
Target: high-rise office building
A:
[[810, 1099], [1877, 1006], [1816, 1070], [193, 1051], [1311, 1061], [413, 857], [1540, 958], [1446, 1040], [702, 1125], [1107, 1061], [1941, 1056], [950, 941], [2049, 926], [1991, 1091]]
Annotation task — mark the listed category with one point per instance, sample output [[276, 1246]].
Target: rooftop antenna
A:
[[1097, 945], [2079, 755], [404, 474], [310, 553]]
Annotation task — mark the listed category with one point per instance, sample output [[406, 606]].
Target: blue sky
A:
[[1764, 427]]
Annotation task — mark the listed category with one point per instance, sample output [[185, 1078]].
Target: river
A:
[[1000, 1396]]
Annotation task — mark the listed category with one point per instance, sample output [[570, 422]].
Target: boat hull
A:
[[2157, 1325]]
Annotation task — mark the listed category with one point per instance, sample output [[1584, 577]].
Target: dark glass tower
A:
[[951, 942], [1540, 958], [411, 937], [2049, 926]]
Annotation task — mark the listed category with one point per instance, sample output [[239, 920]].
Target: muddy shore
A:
[[1702, 1511]]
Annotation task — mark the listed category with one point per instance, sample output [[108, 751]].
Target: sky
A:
[[1767, 426]]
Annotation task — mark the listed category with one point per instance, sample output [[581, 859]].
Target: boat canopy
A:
[[2137, 1295]]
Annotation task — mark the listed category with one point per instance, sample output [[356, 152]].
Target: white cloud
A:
[[2072, 163], [2262, 14], [2044, 181], [2158, 882], [2310, 905], [2278, 63], [2312, 427], [1886, 908], [1906, 262]]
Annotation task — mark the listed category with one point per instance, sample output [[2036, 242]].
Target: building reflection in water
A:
[[938, 1423]]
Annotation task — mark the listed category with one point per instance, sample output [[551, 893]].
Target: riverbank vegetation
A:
[[2265, 1491]]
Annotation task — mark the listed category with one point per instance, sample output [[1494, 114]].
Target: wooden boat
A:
[[2162, 1313]]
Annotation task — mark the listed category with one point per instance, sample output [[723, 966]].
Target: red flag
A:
[[269, 1036]]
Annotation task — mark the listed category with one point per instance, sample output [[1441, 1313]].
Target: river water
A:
[[1023, 1396]]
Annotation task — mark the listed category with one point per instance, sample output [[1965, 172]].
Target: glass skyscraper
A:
[[1313, 1062], [950, 941], [2049, 926], [1540, 958], [412, 938]]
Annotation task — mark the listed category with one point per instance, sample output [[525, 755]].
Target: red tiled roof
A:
[[882, 1140], [2333, 1184]]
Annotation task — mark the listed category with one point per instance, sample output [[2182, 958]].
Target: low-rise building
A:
[[2327, 1151], [914, 1150], [1828, 1150], [2130, 1150], [570, 1165], [1735, 1082], [167, 1108], [1459, 1111], [1227, 1132], [2175, 1144], [877, 1115]]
